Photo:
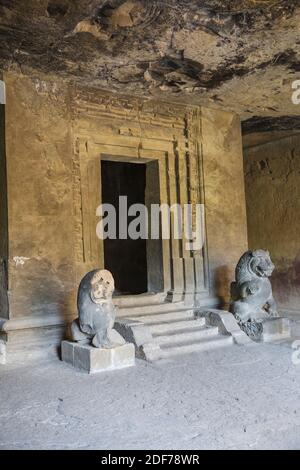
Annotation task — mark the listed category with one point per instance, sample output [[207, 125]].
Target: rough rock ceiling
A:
[[241, 55]]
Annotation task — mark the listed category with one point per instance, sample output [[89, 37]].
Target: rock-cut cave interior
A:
[[149, 224]]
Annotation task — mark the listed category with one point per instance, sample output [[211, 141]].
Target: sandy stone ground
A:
[[231, 398]]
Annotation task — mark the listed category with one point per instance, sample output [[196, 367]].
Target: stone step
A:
[[181, 326], [202, 345], [129, 301], [152, 309], [169, 317], [191, 336]]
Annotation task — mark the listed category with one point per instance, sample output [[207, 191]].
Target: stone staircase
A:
[[162, 330]]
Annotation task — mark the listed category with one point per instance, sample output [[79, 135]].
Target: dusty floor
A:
[[233, 398]]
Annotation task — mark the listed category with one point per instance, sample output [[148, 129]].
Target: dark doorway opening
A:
[[126, 259]]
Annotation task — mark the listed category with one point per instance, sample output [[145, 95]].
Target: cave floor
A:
[[239, 397]]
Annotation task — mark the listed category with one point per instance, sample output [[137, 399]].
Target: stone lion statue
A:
[[96, 312], [252, 300]]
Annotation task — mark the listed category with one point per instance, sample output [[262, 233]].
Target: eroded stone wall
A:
[[39, 166], [3, 218], [273, 206], [224, 197], [55, 134]]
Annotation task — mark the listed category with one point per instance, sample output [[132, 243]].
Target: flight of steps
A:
[[168, 329]]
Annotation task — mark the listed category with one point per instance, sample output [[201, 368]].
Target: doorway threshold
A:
[[133, 300]]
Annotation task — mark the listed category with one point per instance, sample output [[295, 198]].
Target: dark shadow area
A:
[[223, 279], [126, 259]]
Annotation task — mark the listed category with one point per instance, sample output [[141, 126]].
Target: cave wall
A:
[[272, 175], [39, 167], [224, 197], [3, 218], [55, 133]]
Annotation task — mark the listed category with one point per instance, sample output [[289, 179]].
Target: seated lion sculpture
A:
[[96, 312], [252, 300]]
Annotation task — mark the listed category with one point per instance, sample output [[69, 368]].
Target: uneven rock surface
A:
[[242, 55]]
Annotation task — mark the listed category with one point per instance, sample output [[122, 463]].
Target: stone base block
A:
[[276, 328], [87, 358]]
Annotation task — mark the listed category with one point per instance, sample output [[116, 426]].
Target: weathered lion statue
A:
[[252, 300], [96, 312]]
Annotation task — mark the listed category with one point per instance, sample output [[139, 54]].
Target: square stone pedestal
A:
[[276, 329], [90, 359]]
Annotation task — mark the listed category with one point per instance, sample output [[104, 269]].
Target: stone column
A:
[[3, 210], [4, 307]]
